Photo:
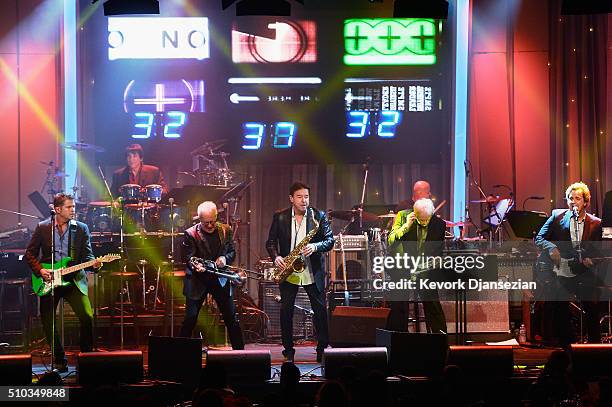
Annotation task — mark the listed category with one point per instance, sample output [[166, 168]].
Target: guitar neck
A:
[[78, 267]]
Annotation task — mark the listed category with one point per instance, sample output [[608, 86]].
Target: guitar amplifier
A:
[[269, 297], [351, 242]]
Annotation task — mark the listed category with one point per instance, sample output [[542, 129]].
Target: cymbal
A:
[[77, 146], [450, 224], [209, 147], [99, 203], [390, 215], [145, 205], [490, 199], [354, 214]]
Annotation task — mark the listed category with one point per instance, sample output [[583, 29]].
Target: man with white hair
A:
[[209, 240], [418, 232]]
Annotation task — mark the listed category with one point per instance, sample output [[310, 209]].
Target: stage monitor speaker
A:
[[356, 326], [526, 224], [15, 370], [242, 365], [364, 360], [492, 362], [110, 367], [414, 354], [175, 359], [592, 360]]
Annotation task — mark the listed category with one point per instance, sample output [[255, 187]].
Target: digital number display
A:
[[359, 124], [168, 125], [281, 135]]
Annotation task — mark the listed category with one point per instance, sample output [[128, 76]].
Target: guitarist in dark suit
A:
[[566, 231], [418, 233], [71, 239], [135, 172], [209, 240], [289, 227]]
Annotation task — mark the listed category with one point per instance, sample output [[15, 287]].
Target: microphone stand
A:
[[366, 168], [171, 201], [124, 267], [53, 289], [577, 232]]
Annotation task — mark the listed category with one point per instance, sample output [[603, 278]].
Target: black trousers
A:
[[560, 314], [82, 308], [223, 298], [288, 293], [434, 316]]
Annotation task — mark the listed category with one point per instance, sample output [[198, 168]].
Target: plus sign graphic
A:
[[160, 101], [356, 38], [389, 38], [390, 41], [422, 38]]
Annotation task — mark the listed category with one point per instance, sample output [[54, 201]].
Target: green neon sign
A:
[[390, 41]]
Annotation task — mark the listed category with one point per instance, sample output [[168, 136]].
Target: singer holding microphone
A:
[[289, 227], [568, 243]]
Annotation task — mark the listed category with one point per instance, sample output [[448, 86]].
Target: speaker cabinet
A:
[[269, 293], [364, 360], [592, 360], [110, 367], [483, 361], [356, 326], [242, 365], [175, 359], [414, 354], [15, 370]]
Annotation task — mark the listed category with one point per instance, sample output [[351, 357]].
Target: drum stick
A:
[[439, 206]]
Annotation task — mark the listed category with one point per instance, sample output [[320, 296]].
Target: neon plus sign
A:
[[356, 37], [159, 100], [390, 37], [422, 37]]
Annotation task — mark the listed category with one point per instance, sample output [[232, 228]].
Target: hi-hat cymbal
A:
[[353, 214], [390, 215], [78, 146]]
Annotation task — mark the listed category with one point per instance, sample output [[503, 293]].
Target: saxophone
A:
[[294, 260]]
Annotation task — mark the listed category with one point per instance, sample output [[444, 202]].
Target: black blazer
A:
[[555, 233], [79, 249], [149, 174], [195, 284], [279, 240], [434, 241]]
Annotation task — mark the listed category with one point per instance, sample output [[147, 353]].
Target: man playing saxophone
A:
[[299, 262]]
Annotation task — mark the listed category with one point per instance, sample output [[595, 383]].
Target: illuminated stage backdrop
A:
[[321, 86]]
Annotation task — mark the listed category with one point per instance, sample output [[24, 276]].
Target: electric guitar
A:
[[236, 278], [60, 269], [567, 267]]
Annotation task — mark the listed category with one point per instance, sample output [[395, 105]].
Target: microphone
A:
[[574, 212], [171, 200], [52, 209], [277, 298]]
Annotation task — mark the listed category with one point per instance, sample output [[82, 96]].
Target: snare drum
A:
[[153, 193], [130, 192]]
